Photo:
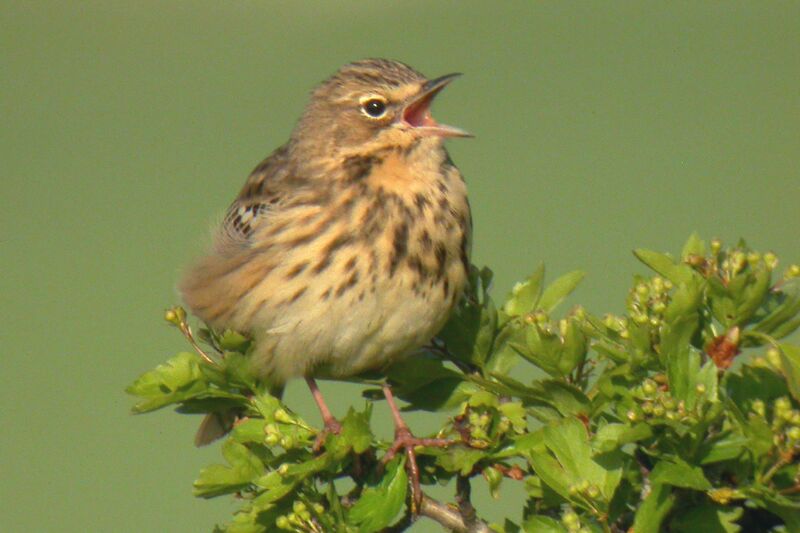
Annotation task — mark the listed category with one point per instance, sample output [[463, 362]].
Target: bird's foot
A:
[[405, 440], [332, 426]]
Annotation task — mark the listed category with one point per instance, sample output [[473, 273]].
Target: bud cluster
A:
[[572, 521], [300, 518], [656, 404], [785, 422], [487, 420], [648, 300], [286, 430]]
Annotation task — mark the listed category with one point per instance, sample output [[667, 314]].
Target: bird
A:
[[349, 246]]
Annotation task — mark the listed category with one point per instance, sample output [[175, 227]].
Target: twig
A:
[[450, 518], [465, 507]]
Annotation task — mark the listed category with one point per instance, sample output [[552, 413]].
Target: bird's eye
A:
[[374, 107]]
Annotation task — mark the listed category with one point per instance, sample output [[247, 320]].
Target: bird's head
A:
[[371, 105]]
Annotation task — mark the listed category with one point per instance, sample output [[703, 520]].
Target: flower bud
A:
[[700, 388], [283, 469], [593, 491], [281, 415], [272, 439], [774, 357], [793, 433], [793, 272], [716, 246], [771, 260], [282, 522], [759, 408]]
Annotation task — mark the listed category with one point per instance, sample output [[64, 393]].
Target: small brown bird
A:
[[348, 247]]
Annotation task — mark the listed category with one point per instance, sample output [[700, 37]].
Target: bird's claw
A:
[[404, 439], [332, 426]]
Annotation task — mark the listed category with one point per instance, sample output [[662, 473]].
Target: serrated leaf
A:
[[556, 292], [242, 469], [460, 459], [180, 378], [678, 473], [356, 431], [664, 265], [572, 462], [525, 296], [694, 246], [378, 506], [613, 436]]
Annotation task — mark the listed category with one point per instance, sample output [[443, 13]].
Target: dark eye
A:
[[375, 108]]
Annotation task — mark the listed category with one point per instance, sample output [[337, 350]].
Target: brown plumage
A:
[[348, 246]]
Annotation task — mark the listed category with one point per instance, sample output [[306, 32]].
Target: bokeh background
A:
[[127, 127]]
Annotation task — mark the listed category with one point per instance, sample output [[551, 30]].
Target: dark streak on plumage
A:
[[351, 281], [399, 246], [296, 270]]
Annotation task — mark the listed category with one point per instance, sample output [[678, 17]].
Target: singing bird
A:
[[348, 247]]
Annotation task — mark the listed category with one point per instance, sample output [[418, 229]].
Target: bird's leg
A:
[[404, 439], [331, 424]]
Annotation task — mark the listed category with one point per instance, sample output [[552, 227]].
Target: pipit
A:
[[348, 247]]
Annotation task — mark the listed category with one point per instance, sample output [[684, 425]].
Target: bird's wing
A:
[[261, 194]]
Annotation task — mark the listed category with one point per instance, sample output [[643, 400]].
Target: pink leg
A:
[[404, 439], [331, 424]]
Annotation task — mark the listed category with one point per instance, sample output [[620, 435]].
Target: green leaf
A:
[[654, 509], [460, 459], [555, 293], [790, 367], [244, 467], [572, 462], [525, 296], [613, 436], [694, 246], [180, 378], [356, 431], [678, 473], [664, 265], [707, 518], [543, 524], [378, 506]]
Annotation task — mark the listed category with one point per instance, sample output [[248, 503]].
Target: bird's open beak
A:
[[417, 114]]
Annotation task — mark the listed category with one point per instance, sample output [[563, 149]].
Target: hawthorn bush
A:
[[683, 414]]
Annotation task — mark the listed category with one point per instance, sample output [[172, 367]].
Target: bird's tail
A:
[[219, 423]]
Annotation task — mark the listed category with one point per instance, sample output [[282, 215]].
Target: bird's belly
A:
[[361, 329]]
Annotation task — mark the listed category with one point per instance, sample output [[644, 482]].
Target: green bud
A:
[[175, 316], [753, 258], [583, 485], [668, 402], [668, 285], [272, 439], [294, 519], [700, 388], [305, 516], [281, 415], [658, 411], [658, 284], [642, 290], [793, 272], [632, 416], [282, 522], [793, 433], [659, 307], [771, 260], [287, 442], [782, 404], [647, 408], [624, 334], [774, 358], [593, 491], [716, 246], [671, 415], [570, 518], [759, 408], [271, 429], [649, 387], [283, 469], [574, 490], [318, 508], [298, 506], [640, 318]]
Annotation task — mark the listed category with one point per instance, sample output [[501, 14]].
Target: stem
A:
[[450, 518]]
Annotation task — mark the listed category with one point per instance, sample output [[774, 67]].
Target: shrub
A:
[[681, 414]]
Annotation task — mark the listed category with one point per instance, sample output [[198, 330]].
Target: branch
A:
[[450, 517]]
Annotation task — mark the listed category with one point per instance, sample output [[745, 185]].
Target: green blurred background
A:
[[127, 127]]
